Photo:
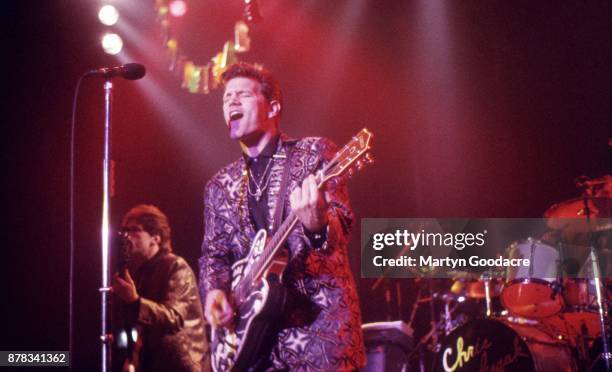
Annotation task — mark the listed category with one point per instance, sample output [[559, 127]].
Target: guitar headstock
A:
[[354, 155]]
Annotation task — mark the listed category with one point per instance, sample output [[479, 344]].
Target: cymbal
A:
[[598, 187], [572, 215]]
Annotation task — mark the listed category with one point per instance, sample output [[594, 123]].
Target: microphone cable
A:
[[71, 219]]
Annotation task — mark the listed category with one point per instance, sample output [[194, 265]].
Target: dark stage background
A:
[[480, 109]]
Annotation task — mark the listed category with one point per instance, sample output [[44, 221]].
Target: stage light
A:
[[178, 8], [112, 43], [108, 15]]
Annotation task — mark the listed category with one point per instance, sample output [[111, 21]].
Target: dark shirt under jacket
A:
[[257, 165], [258, 210]]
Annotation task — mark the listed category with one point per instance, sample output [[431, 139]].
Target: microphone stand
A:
[[129, 71], [105, 335], [599, 293]]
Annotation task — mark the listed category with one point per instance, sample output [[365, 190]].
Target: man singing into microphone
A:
[[159, 297], [318, 322]]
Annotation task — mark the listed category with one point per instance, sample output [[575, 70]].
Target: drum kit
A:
[[550, 316]]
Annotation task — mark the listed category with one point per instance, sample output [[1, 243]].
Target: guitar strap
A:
[[282, 196]]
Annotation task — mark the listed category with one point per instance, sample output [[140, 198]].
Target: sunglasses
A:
[[132, 229]]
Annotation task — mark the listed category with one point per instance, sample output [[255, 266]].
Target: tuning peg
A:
[[359, 164], [350, 172], [368, 158]]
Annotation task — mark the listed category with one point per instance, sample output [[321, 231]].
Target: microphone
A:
[[129, 71]]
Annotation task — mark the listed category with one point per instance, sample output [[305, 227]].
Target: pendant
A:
[[257, 195]]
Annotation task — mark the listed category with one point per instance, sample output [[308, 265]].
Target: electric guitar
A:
[[234, 346]]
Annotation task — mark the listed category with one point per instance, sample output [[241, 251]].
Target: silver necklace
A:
[[262, 185]]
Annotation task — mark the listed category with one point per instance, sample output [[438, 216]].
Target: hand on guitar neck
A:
[[309, 205], [217, 309]]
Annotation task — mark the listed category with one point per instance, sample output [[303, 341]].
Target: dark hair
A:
[[153, 221], [270, 87]]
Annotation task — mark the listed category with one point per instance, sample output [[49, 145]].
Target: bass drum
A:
[[499, 345]]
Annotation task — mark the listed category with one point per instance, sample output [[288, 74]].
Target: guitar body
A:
[[237, 346]]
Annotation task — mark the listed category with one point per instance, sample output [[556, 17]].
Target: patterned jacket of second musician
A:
[[333, 339]]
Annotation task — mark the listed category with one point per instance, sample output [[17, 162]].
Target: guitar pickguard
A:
[[227, 342]]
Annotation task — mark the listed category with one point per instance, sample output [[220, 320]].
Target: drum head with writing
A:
[[484, 345]]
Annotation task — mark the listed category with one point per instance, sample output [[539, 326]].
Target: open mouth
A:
[[235, 115]]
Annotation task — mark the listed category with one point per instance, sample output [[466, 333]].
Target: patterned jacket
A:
[[332, 340]]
